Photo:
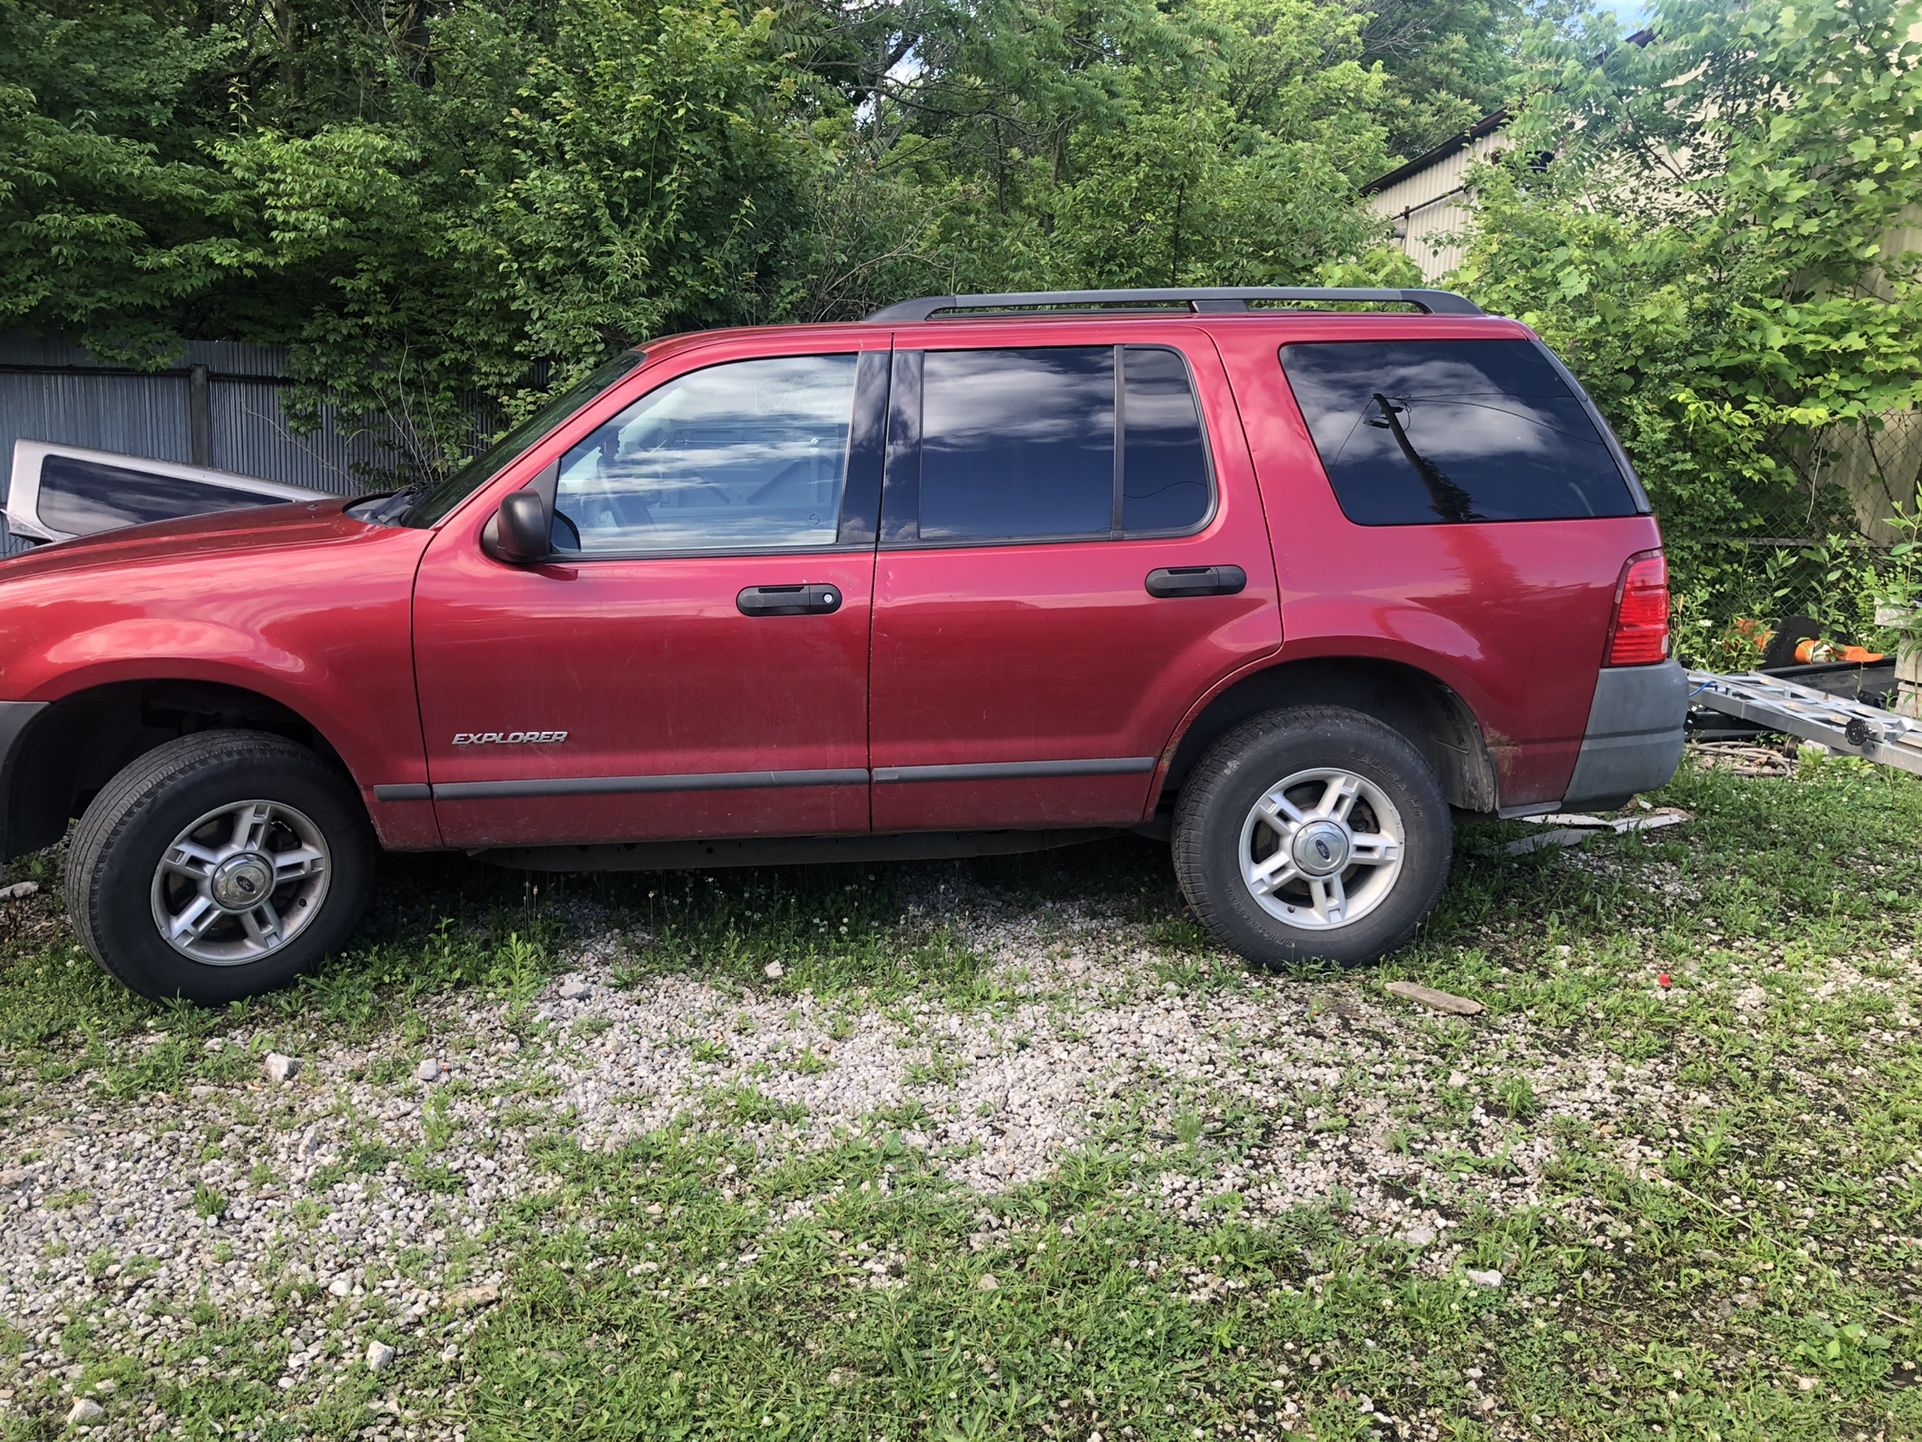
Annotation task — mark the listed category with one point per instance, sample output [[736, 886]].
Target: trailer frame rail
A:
[[1853, 728]]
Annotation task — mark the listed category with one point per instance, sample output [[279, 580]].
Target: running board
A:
[[1851, 727], [784, 850]]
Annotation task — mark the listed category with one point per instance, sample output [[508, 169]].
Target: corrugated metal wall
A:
[[1431, 210], [51, 391]]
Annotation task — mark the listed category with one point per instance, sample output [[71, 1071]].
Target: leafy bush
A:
[[1718, 249], [453, 205]]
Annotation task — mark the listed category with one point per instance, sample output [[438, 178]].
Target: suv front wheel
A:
[[219, 865], [1315, 833]]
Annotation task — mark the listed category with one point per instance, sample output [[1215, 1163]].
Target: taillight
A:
[[1639, 634]]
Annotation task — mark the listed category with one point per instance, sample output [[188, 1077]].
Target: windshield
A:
[[437, 500]]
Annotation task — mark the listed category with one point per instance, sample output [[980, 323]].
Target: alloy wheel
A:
[[240, 883], [1322, 848]]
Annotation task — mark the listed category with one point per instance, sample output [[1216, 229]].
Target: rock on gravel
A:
[[428, 1070], [573, 989], [379, 1354], [1489, 1278], [282, 1068], [85, 1413], [19, 891]]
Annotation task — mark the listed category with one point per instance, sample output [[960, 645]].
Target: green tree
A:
[[579, 176], [1447, 63], [1127, 143], [112, 223], [451, 205], [1719, 251]]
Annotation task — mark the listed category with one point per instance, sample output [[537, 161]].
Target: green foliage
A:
[[478, 201], [110, 219], [1447, 63], [458, 201], [1718, 252], [577, 176], [1128, 143]]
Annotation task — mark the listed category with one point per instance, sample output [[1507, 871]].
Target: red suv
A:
[[977, 573]]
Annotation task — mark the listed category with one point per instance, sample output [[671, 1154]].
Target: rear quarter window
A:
[[1455, 431]]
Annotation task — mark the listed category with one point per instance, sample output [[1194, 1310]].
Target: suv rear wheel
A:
[[1312, 833], [218, 866]]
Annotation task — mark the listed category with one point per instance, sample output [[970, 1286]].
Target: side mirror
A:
[[522, 532]]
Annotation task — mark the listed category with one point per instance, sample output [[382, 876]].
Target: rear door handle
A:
[[807, 599], [1197, 581]]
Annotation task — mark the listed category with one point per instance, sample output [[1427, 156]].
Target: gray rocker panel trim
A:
[[627, 785], [1015, 770], [758, 780], [404, 791]]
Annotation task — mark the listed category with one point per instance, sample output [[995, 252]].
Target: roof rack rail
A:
[[1227, 300]]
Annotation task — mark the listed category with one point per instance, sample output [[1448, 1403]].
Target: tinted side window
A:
[[1017, 444], [742, 456], [82, 497], [1022, 445], [1414, 432], [1164, 461]]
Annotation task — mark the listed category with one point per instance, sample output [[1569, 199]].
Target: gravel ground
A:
[[303, 1201]]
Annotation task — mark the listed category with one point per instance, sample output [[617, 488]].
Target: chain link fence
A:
[[1822, 552]]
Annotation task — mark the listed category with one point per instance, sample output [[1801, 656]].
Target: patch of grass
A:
[[831, 929], [209, 1201], [1731, 1257], [439, 923], [1076, 1306], [755, 1107]]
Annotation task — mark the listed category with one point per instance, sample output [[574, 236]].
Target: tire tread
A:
[[1217, 770], [130, 793]]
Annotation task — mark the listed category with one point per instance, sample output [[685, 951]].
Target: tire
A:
[[1378, 903], [309, 846]]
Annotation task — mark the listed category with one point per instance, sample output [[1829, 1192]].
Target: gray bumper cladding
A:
[[1635, 732]]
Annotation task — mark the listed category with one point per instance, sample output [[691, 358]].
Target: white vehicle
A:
[[60, 492]]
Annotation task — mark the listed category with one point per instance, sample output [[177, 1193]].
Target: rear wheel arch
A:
[[1423, 708], [80, 742]]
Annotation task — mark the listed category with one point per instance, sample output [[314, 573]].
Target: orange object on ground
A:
[[1815, 651]]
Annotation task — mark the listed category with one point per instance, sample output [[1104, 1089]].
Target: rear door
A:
[[1072, 552], [692, 660]]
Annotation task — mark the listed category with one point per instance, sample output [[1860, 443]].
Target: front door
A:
[[691, 661]]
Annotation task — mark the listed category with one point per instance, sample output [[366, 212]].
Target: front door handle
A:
[[1197, 581], [807, 599]]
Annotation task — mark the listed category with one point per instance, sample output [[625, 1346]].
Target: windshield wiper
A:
[[400, 502], [1447, 499]]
